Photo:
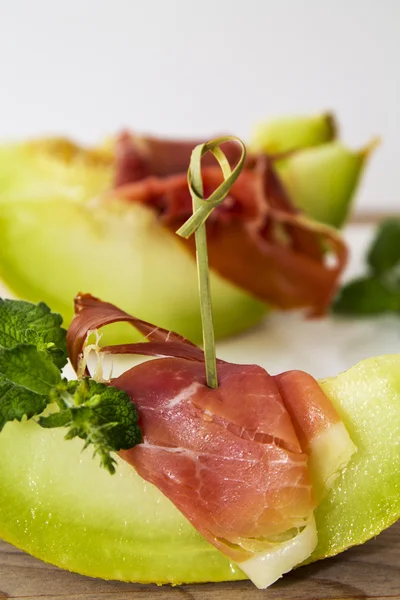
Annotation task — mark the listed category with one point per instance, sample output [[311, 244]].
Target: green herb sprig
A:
[[378, 291], [32, 354], [202, 208]]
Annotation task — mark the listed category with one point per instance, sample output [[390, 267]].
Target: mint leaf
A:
[[377, 292], [367, 296], [27, 377], [23, 322], [385, 250], [17, 402], [32, 354], [57, 419], [29, 368], [101, 415]]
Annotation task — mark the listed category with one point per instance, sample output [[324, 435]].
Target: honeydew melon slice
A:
[[52, 249], [322, 180], [58, 505]]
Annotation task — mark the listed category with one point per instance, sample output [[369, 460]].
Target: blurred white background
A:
[[180, 67]]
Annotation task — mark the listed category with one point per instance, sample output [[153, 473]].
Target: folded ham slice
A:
[[233, 460], [285, 259], [229, 458]]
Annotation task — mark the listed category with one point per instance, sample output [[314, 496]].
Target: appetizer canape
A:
[[221, 471]]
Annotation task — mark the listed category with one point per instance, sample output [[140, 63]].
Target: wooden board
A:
[[369, 571]]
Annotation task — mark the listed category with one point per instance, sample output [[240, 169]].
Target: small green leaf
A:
[[28, 368], [57, 419], [368, 296], [32, 353], [108, 405], [378, 292], [17, 402], [385, 250], [100, 415], [22, 322]]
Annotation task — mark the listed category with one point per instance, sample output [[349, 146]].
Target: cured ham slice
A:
[[91, 314], [285, 259], [138, 157], [233, 468], [233, 460]]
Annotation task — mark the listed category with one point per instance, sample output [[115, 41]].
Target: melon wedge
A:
[[51, 249], [58, 505], [322, 180]]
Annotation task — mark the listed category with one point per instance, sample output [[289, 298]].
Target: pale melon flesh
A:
[[58, 238], [57, 504], [52, 249]]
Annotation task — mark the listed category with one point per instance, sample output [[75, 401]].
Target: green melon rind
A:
[[58, 505]]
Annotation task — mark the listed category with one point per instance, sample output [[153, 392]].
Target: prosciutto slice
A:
[[229, 459], [138, 157], [285, 259], [233, 460], [91, 314]]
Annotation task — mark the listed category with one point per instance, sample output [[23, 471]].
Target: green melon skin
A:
[[52, 249], [58, 505]]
